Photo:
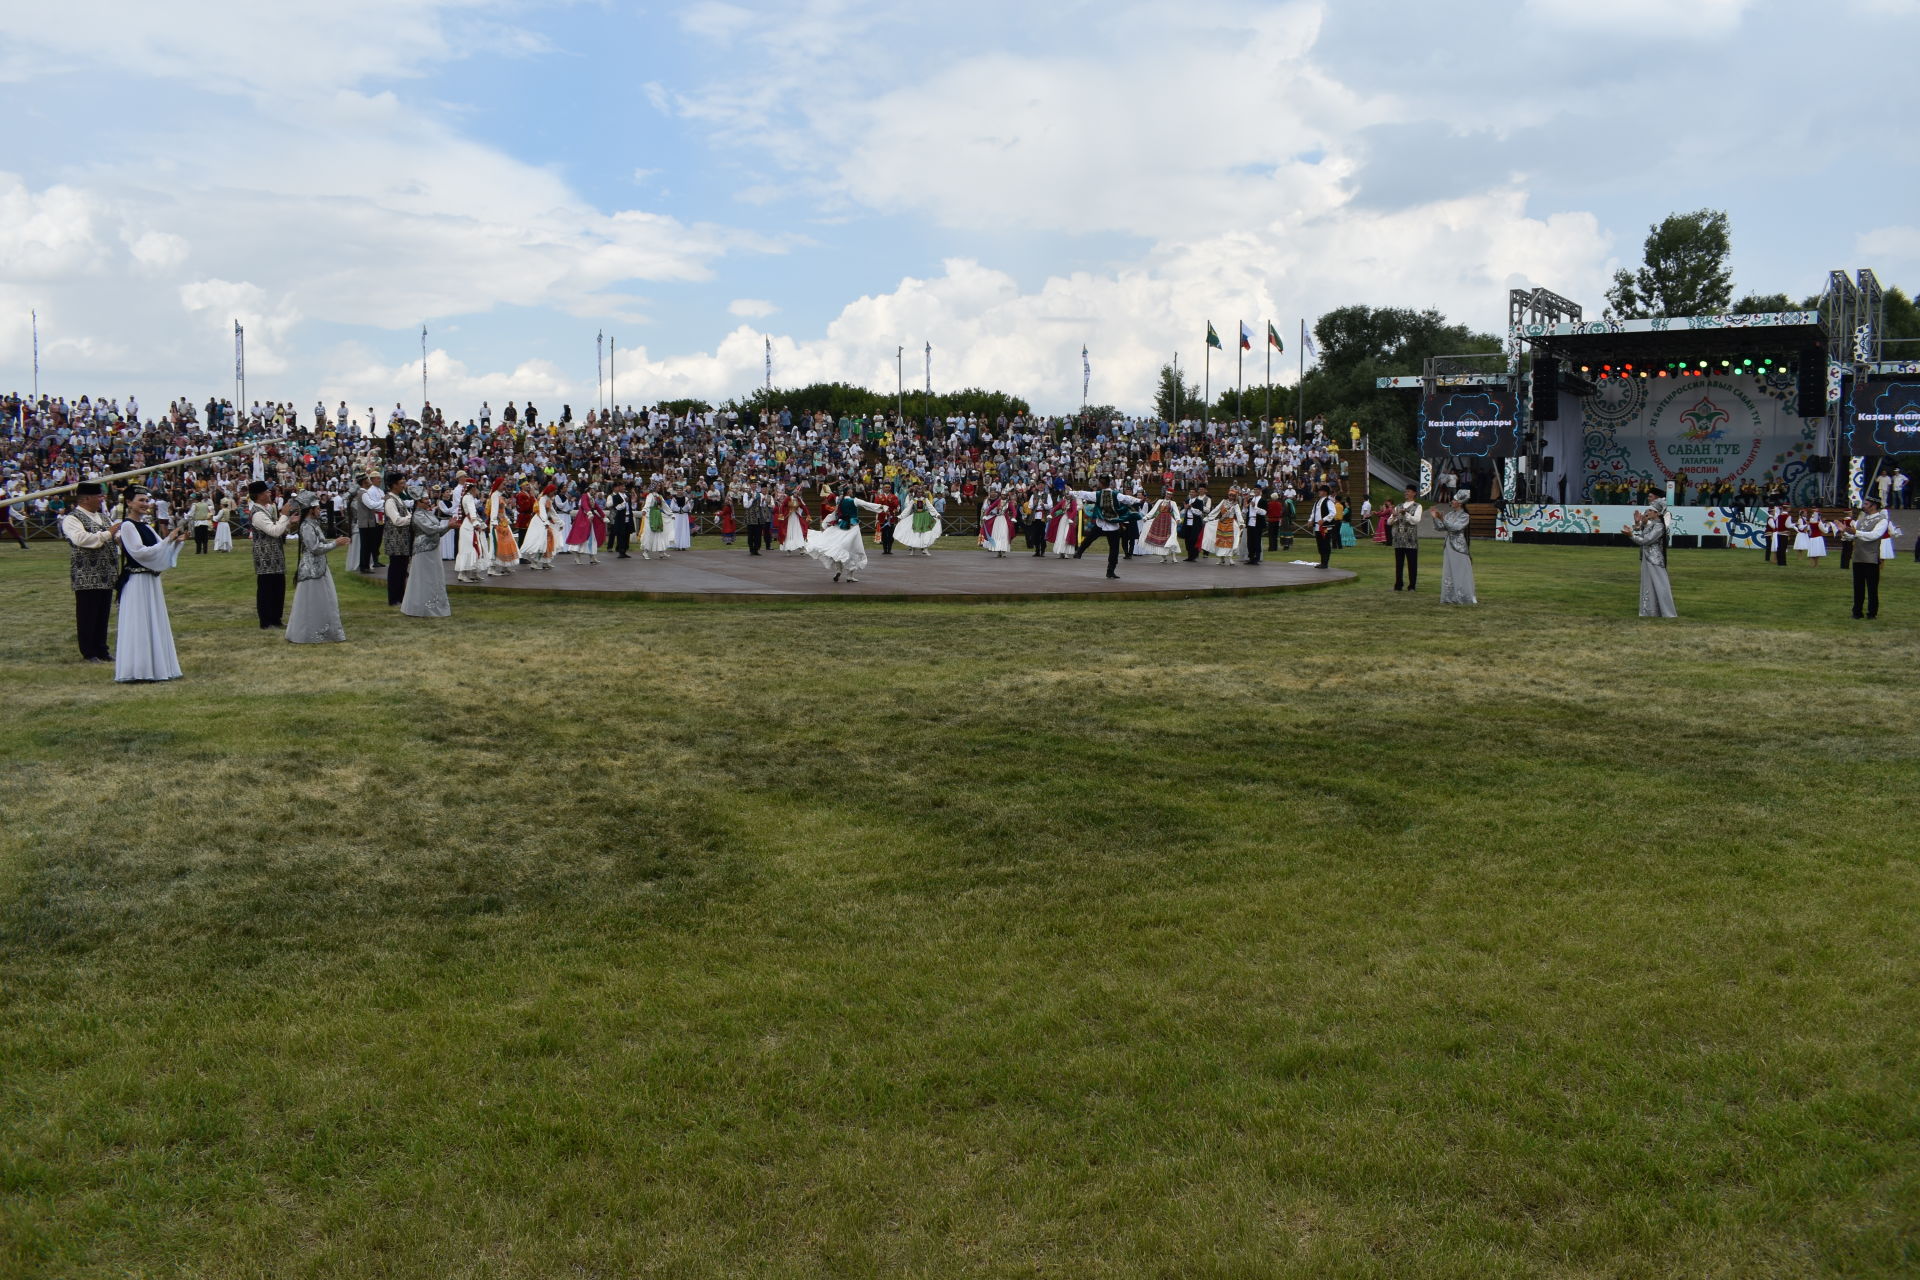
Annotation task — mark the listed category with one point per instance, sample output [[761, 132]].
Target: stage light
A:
[[1628, 368], [1703, 364], [1725, 363], [1748, 362], [1643, 373], [1663, 373], [1584, 369]]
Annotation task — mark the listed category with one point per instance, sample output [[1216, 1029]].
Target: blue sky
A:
[[1006, 181]]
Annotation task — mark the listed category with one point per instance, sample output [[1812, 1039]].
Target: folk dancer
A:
[[316, 606], [1193, 525], [1779, 526], [1869, 531], [790, 522], [589, 528], [838, 543], [752, 509], [427, 578], [1403, 531], [1254, 515], [1456, 563], [503, 549], [998, 520], [542, 541], [1652, 531], [270, 526], [470, 561], [396, 538], [620, 521], [1160, 531], [223, 525], [1814, 531], [144, 649], [1325, 519], [656, 527], [1063, 525], [1108, 507], [1221, 533], [94, 568], [919, 525]]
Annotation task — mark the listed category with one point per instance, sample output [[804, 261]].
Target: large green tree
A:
[[1684, 273], [1360, 344], [1174, 397]]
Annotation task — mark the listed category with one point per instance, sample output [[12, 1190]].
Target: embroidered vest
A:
[[95, 569], [397, 539], [269, 553]]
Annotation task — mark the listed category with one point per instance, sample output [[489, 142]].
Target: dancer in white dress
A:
[[1160, 532], [542, 540], [839, 545], [223, 525], [315, 617], [470, 552], [656, 528], [998, 519], [681, 507], [1816, 536], [143, 648], [1224, 531], [919, 525], [790, 521]]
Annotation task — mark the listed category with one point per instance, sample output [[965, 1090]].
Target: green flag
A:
[[1273, 339], [1213, 339]]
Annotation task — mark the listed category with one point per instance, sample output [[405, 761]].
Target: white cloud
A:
[[1900, 243], [1682, 18], [751, 308], [357, 376]]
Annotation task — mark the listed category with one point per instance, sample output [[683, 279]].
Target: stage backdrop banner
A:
[[1883, 416], [1741, 527], [1468, 422], [1652, 430]]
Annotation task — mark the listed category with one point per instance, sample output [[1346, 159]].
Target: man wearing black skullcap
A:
[[93, 535]]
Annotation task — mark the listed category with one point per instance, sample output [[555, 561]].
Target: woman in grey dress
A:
[[316, 608], [1651, 531], [427, 581], [1456, 565]]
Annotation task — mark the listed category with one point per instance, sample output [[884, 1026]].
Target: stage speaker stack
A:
[[1546, 390], [1810, 395]]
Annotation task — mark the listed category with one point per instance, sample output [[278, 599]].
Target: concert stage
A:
[[956, 574]]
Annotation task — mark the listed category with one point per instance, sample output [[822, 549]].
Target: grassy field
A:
[[1330, 934]]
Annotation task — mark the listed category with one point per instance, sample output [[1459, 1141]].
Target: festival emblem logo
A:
[[1705, 421]]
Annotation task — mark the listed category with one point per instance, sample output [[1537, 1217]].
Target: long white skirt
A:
[[1063, 543], [143, 647], [842, 550], [223, 536], [471, 555], [683, 532], [904, 535], [1224, 553], [1816, 547], [794, 536], [541, 542], [450, 544], [998, 535], [652, 543]]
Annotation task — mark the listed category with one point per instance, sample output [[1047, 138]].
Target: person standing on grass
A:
[[1652, 532], [426, 595], [1868, 530], [1403, 531], [367, 507], [620, 521], [270, 525], [200, 516], [143, 650], [1325, 519], [1456, 564], [316, 606], [396, 539], [95, 567]]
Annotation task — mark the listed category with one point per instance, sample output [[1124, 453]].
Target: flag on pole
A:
[[1213, 339], [1246, 337], [769, 341], [1306, 340], [1086, 372], [929, 368], [1273, 339]]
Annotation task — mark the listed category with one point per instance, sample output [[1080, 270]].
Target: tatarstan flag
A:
[[1213, 339], [1273, 339]]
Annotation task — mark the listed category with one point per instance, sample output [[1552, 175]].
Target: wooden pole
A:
[[128, 475]]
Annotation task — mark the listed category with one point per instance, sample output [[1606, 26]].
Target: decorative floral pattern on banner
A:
[[1648, 432], [1741, 526]]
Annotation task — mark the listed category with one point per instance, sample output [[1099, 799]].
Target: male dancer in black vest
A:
[[94, 537], [269, 526], [1106, 512], [396, 539], [1326, 528]]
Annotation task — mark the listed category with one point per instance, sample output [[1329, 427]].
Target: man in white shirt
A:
[[1106, 508], [1325, 522]]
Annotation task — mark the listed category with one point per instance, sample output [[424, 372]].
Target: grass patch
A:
[[1330, 933]]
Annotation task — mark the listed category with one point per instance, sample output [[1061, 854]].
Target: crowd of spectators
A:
[[694, 453]]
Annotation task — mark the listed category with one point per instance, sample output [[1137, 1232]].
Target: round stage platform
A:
[[955, 575]]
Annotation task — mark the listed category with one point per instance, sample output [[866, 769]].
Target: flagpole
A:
[[1300, 418], [1269, 411], [900, 381], [423, 369], [1176, 388], [1240, 371], [36, 353], [600, 368], [613, 348]]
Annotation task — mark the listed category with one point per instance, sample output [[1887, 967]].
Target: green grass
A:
[[1329, 934]]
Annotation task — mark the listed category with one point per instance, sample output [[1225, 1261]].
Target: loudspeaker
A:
[[1810, 394], [1546, 464], [1546, 390], [1819, 464]]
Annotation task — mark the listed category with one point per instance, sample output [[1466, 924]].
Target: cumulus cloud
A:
[[751, 308]]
